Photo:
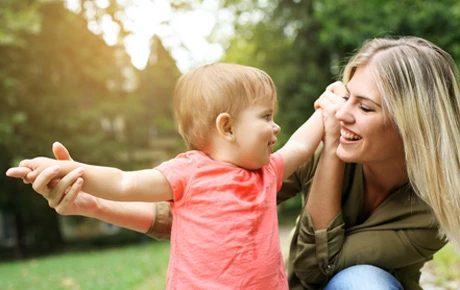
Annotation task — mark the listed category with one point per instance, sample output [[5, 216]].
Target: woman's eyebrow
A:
[[369, 99], [363, 98]]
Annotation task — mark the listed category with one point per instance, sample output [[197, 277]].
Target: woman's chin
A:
[[345, 156]]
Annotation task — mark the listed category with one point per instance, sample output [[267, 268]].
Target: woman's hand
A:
[[64, 194], [330, 101]]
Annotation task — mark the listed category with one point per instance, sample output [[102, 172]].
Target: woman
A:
[[377, 221], [365, 223]]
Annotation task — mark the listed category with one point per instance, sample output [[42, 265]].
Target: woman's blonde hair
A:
[[419, 85], [207, 91]]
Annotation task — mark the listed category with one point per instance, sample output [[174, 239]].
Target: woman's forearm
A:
[[136, 216], [324, 201], [152, 219]]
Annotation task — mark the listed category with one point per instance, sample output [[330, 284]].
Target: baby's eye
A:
[[268, 117], [345, 98]]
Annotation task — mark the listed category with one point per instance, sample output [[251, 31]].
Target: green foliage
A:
[[52, 88], [55, 88], [156, 94], [16, 18]]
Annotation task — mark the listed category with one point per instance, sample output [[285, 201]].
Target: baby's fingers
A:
[[19, 172], [326, 99], [337, 88], [25, 163]]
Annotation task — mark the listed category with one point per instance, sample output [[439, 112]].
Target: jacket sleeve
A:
[[162, 221], [395, 241], [294, 184]]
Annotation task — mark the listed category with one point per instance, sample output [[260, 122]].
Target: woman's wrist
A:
[[96, 209], [330, 149]]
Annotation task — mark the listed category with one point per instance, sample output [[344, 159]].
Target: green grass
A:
[[129, 267], [138, 267]]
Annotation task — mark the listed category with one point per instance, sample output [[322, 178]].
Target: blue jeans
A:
[[363, 277]]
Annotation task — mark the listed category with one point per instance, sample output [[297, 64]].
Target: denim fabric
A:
[[363, 277]]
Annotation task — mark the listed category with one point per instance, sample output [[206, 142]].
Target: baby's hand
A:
[[38, 164], [29, 169], [19, 172]]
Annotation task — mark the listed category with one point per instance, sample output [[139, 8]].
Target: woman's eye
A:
[[365, 109], [345, 98]]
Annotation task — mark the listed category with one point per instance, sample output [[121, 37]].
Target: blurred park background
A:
[[98, 76]]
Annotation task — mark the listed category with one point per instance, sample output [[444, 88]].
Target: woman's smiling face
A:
[[367, 134]]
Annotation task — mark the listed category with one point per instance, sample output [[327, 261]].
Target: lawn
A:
[[130, 267], [143, 267]]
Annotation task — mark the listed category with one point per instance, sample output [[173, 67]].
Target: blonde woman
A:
[[223, 190], [376, 193], [399, 130]]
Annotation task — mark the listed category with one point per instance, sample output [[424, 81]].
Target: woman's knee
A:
[[363, 277]]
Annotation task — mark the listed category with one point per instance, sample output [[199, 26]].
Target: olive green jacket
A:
[[399, 237]]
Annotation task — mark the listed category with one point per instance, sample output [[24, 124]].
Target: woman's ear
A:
[[224, 126]]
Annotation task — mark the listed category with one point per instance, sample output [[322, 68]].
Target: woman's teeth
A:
[[349, 135]]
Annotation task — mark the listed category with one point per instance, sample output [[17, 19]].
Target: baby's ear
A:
[[224, 126]]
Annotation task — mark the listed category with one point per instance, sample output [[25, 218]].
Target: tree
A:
[[54, 88], [155, 91]]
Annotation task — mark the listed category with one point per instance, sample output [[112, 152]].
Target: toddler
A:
[[223, 190]]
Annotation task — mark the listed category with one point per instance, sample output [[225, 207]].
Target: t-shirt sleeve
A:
[[178, 172]]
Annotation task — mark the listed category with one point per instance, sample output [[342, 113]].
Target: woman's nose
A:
[[344, 113]]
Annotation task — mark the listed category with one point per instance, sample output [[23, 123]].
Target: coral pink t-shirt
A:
[[225, 227]]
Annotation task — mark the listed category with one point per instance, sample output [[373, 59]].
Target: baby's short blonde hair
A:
[[207, 91]]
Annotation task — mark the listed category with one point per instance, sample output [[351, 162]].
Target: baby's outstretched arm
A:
[[302, 144], [107, 182], [64, 195]]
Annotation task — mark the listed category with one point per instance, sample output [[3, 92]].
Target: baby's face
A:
[[255, 133]]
